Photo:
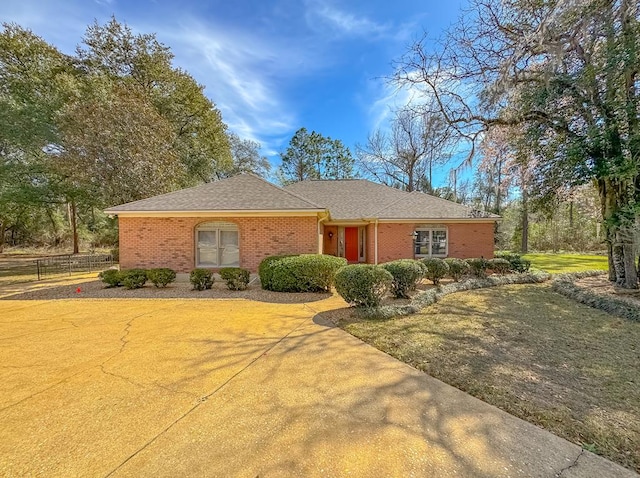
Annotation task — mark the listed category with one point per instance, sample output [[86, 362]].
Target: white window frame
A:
[[218, 227], [431, 230]]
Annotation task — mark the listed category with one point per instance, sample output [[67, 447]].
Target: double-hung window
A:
[[430, 242], [217, 245]]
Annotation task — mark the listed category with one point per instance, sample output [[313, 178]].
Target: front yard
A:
[[538, 355], [557, 263]]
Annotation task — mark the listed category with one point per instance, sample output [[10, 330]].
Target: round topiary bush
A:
[[201, 279], [363, 285], [458, 268], [111, 277], [478, 266], [499, 266], [517, 263], [406, 275], [265, 270], [436, 269], [161, 277], [235, 277], [305, 273], [133, 278]]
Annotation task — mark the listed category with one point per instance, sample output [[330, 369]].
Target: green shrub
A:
[[161, 277], [499, 266], [406, 274], [457, 268], [134, 278], [436, 269], [517, 263], [363, 285], [201, 279], [305, 273], [265, 270], [111, 277], [235, 277], [478, 266]]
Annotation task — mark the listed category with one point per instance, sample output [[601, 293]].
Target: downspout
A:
[[320, 242], [375, 242]]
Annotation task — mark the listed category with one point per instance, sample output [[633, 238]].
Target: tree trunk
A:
[[74, 225], [628, 258], [2, 231], [524, 246]]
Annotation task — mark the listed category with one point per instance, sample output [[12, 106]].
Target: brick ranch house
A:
[[241, 220]]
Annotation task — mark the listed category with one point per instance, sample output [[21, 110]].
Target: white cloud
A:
[[321, 13], [245, 75]]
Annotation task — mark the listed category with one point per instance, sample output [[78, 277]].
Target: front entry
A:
[[351, 252]]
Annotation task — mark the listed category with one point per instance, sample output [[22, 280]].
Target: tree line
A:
[[538, 99], [113, 123]]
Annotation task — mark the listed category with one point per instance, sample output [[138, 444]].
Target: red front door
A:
[[351, 244]]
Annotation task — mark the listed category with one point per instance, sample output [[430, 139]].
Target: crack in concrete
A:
[[123, 342], [567, 468], [204, 398], [69, 321]]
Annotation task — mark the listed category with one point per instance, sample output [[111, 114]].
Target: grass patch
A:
[[533, 353], [559, 263]]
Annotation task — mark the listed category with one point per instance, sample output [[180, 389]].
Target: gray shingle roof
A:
[[242, 192], [417, 205], [347, 198], [359, 198]]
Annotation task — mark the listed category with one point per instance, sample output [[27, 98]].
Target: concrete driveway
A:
[[236, 388]]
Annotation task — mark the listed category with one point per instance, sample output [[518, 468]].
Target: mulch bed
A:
[[600, 285], [177, 290]]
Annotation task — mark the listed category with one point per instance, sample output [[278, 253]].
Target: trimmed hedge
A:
[[499, 266], [458, 268], [516, 262], [111, 277], [406, 274], [133, 278], [478, 266], [436, 269], [235, 277], [305, 273], [265, 270], [161, 277], [201, 279], [363, 285]]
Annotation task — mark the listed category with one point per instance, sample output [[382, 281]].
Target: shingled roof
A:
[[362, 199], [347, 198], [245, 192]]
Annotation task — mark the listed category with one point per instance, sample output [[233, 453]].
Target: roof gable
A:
[[244, 192]]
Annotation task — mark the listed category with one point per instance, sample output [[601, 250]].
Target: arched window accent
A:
[[217, 245]]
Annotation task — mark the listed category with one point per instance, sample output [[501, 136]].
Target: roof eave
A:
[[218, 213]]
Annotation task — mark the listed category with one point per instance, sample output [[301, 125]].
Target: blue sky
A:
[[270, 66]]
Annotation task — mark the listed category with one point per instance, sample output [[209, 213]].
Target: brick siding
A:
[[395, 241], [148, 242]]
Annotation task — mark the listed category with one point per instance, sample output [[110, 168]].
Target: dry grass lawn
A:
[[566, 367]]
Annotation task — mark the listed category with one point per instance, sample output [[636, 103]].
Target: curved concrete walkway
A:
[[236, 388]]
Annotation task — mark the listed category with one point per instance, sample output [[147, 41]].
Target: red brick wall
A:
[[148, 242], [395, 241], [471, 240]]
